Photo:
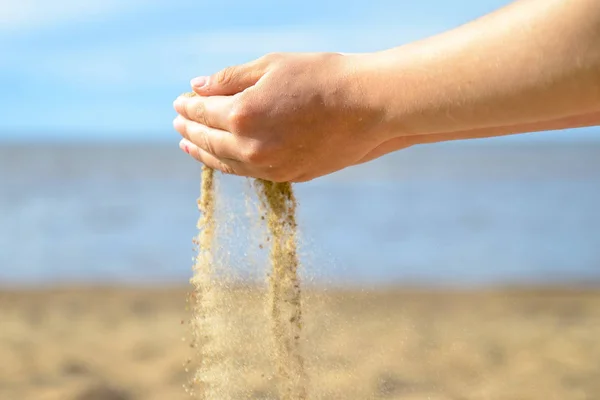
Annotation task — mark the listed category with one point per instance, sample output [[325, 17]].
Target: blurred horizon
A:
[[457, 216], [171, 137]]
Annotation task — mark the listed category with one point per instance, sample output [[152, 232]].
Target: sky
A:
[[110, 69]]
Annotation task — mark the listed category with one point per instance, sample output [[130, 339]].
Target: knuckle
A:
[[254, 154], [236, 120], [261, 153], [273, 56], [200, 138], [225, 76], [206, 144], [240, 117], [197, 112]]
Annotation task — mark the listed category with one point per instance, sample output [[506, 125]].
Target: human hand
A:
[[283, 117], [295, 117]]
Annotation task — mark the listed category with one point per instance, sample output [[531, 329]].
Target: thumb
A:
[[229, 81]]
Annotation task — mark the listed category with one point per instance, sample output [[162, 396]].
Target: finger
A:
[[230, 167], [210, 111], [231, 80], [219, 143]]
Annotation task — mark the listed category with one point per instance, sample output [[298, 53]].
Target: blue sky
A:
[[109, 69]]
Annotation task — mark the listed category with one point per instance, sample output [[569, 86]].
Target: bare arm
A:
[[531, 66], [533, 61], [403, 142]]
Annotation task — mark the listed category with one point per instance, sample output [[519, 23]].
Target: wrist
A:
[[483, 76], [365, 90], [390, 85]]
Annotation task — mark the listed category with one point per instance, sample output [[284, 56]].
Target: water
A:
[[444, 214]]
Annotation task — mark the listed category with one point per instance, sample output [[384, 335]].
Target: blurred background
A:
[[440, 250]]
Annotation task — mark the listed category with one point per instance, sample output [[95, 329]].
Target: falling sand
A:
[[207, 324], [285, 304], [216, 370]]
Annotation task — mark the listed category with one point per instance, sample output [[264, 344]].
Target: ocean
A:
[[451, 214]]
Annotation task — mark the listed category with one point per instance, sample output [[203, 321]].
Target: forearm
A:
[[533, 61], [569, 122], [402, 142]]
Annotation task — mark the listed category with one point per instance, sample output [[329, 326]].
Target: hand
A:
[[531, 66], [283, 117]]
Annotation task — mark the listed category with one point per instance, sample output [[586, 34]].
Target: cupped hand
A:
[[283, 117]]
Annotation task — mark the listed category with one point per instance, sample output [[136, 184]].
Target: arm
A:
[[403, 142], [534, 65], [533, 61]]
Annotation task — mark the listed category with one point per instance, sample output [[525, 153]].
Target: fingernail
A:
[[199, 82], [184, 146]]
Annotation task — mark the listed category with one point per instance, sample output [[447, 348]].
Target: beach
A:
[[85, 343], [460, 219]]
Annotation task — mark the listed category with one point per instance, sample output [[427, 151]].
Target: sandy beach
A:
[[129, 344]]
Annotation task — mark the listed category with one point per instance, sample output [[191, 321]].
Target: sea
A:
[[477, 214]]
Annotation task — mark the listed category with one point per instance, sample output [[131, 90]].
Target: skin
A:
[[531, 66]]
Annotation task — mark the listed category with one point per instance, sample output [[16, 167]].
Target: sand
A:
[[285, 295], [208, 303], [126, 344], [214, 332]]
